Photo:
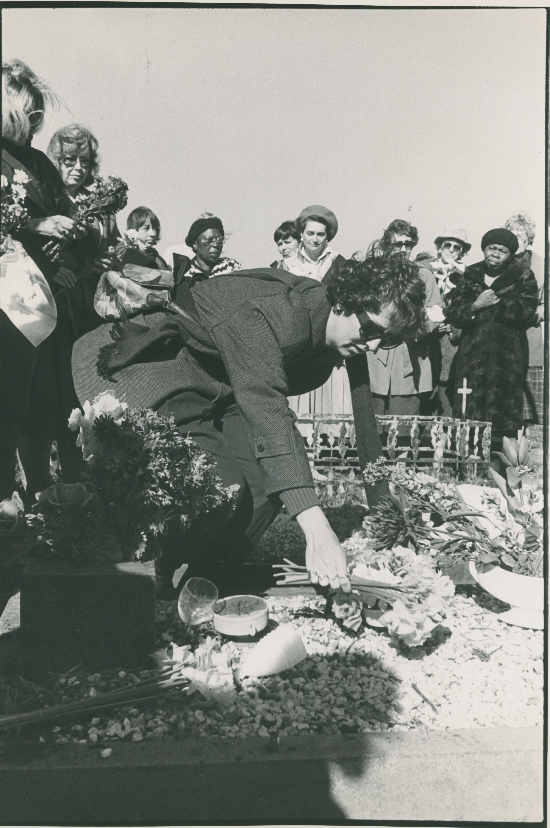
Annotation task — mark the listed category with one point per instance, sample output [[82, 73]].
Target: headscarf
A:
[[200, 225]]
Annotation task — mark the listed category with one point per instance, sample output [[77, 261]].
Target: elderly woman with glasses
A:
[[36, 384], [73, 149]]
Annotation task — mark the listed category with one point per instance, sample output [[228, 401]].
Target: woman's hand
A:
[[486, 299], [52, 250], [99, 266], [325, 558], [65, 277], [60, 227]]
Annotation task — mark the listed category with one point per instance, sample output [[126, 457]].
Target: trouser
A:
[[226, 437], [396, 404]]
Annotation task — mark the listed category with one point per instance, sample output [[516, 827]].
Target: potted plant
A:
[[88, 548]]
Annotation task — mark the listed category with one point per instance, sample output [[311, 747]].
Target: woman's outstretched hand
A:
[[325, 558]]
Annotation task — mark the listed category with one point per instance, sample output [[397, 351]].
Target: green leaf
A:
[[523, 451], [510, 447], [513, 478]]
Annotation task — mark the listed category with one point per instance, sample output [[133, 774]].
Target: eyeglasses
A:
[[455, 247], [211, 240], [397, 245], [36, 116], [69, 162]]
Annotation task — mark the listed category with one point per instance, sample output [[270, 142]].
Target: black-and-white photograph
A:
[[273, 389]]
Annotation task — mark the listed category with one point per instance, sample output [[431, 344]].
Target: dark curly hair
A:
[[400, 228], [357, 287]]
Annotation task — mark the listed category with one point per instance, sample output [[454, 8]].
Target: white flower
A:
[[75, 419], [131, 235], [19, 192], [107, 405], [20, 177], [435, 313], [4, 182], [370, 573]]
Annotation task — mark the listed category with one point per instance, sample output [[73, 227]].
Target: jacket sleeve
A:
[[254, 363], [369, 445], [518, 308]]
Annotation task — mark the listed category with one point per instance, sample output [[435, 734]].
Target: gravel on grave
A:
[[478, 672]]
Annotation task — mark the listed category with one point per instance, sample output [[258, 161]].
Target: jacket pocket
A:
[[272, 446]]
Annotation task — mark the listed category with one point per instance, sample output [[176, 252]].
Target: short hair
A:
[[524, 224], [139, 216], [357, 287], [78, 136], [23, 93], [400, 228], [287, 229], [302, 221]]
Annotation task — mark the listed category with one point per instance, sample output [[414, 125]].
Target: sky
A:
[[434, 116]]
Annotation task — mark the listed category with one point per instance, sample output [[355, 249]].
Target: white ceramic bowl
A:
[[524, 593], [240, 615]]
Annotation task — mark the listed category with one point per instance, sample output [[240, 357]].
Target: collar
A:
[[328, 251]]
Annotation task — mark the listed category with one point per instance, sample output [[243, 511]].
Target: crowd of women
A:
[[483, 320]]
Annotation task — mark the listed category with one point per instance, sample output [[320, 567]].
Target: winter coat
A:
[[492, 354]]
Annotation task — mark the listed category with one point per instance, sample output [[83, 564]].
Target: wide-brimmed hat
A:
[[324, 213], [457, 234], [140, 385]]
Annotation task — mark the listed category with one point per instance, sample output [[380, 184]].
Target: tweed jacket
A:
[[254, 338]]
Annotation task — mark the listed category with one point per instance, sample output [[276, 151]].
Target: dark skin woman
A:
[[493, 305]]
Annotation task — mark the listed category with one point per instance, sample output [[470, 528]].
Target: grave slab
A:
[[486, 775]]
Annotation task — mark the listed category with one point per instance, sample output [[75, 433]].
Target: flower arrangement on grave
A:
[[142, 478], [515, 510], [395, 589], [415, 506], [14, 214], [149, 477]]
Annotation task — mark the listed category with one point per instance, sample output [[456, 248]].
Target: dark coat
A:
[[256, 337], [492, 353], [36, 381]]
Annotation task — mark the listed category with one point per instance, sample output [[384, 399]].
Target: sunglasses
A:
[[455, 247], [398, 245]]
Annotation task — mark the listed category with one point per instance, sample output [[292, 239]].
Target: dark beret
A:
[[200, 225], [499, 235]]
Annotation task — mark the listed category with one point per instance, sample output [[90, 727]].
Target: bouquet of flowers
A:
[[14, 214], [149, 476], [103, 197], [25, 295], [395, 589]]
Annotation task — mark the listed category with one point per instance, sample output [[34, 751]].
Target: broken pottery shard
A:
[[279, 650]]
